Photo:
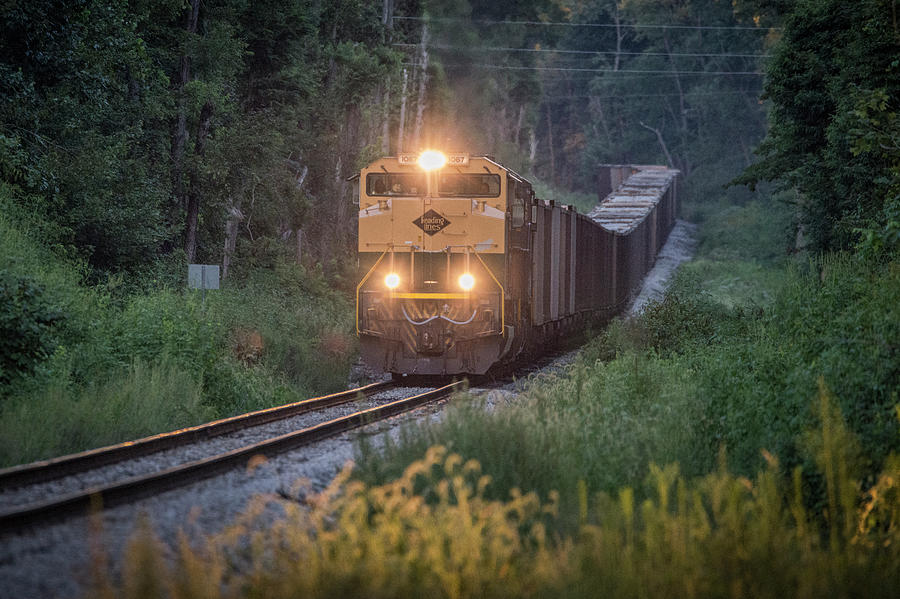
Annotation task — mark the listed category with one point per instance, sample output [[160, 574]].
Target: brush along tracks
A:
[[106, 477]]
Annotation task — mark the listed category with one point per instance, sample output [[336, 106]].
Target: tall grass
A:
[[774, 410], [138, 401], [600, 425], [436, 532], [835, 319], [699, 372], [276, 336]]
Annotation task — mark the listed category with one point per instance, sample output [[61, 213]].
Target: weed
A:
[[435, 532], [278, 336], [138, 401]]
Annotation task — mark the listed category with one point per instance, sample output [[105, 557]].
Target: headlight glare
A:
[[466, 281], [430, 160]]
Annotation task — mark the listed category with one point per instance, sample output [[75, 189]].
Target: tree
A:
[[78, 99], [833, 55]]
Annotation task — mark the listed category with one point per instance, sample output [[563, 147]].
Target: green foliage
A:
[[304, 332], [26, 325], [43, 306], [756, 363], [832, 82], [738, 284], [134, 402], [435, 531], [877, 133], [167, 324], [757, 231], [686, 318], [115, 119], [276, 337], [882, 239], [71, 111]]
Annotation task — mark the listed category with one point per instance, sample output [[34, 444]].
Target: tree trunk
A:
[[332, 65], [387, 19], [619, 38], [662, 143], [232, 225], [518, 128], [193, 207], [400, 127], [386, 120], [532, 148], [681, 101], [550, 145], [423, 82], [387, 16], [596, 104], [180, 139]]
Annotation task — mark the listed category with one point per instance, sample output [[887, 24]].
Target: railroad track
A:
[[131, 488]]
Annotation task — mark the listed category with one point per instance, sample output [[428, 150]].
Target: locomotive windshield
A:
[[393, 184], [469, 185]]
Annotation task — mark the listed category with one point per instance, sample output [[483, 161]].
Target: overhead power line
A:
[[584, 52], [587, 70], [567, 75], [632, 96], [600, 25]]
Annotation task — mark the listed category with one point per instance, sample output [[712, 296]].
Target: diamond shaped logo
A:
[[431, 222]]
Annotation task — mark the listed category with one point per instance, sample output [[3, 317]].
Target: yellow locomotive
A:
[[462, 268]]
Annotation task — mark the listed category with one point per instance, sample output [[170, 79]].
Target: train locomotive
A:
[[463, 269]]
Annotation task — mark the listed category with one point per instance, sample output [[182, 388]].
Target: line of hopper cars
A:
[[463, 269]]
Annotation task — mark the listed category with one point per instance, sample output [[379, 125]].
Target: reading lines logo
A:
[[431, 222]]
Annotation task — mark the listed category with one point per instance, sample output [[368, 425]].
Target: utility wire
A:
[[586, 70], [567, 75], [588, 52], [631, 96], [602, 25]]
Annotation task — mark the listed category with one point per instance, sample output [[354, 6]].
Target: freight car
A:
[[462, 268]]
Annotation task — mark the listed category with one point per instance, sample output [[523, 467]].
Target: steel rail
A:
[[52, 469], [138, 487]]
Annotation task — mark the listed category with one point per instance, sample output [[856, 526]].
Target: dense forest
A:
[[138, 137], [150, 134], [738, 438]]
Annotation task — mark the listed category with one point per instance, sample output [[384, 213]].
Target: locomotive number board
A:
[[409, 159]]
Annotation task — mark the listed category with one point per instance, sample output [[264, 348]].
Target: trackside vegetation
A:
[[739, 438], [88, 365], [703, 373], [723, 443], [435, 532]]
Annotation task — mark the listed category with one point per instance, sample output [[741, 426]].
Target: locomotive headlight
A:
[[392, 280], [430, 160], [466, 281]]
